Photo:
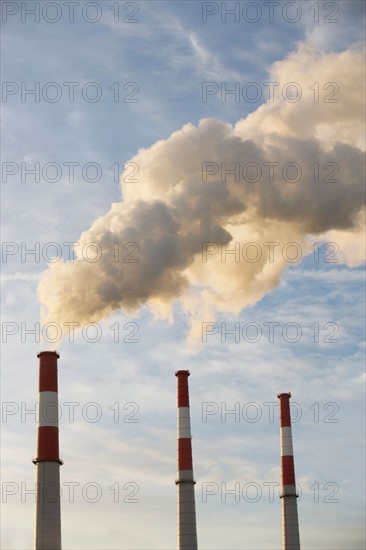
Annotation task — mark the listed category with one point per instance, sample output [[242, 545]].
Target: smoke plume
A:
[[183, 211]]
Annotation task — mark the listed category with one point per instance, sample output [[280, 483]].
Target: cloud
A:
[[153, 247], [330, 88], [17, 276]]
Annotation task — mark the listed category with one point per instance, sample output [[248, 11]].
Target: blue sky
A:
[[167, 55]]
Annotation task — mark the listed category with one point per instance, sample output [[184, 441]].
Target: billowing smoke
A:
[[214, 214]]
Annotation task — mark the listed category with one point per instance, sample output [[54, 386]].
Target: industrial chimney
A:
[[47, 461], [290, 522], [187, 532]]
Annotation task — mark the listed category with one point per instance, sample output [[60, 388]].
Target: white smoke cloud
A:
[[180, 202], [331, 108]]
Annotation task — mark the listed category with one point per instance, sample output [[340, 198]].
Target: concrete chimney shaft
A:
[[187, 531], [47, 461], [290, 522]]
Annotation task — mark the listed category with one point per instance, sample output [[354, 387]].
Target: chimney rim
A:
[[182, 372], [48, 352]]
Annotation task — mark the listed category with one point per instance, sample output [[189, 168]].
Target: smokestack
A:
[[47, 461], [290, 522], [187, 532]]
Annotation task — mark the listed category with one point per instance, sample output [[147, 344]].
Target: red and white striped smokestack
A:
[[290, 522], [187, 531], [47, 461]]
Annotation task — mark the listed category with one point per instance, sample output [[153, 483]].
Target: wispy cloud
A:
[[18, 276]]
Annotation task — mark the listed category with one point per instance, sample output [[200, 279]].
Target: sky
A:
[[184, 189]]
